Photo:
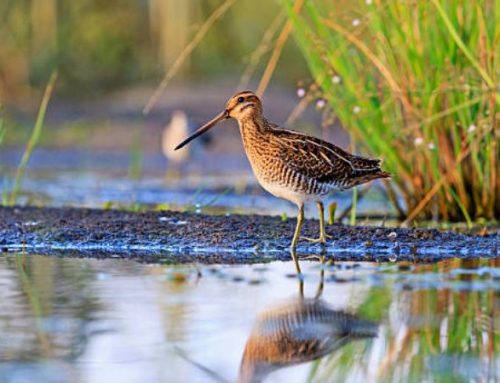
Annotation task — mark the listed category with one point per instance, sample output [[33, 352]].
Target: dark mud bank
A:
[[186, 237]]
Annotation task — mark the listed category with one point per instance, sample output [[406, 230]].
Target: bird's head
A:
[[243, 105], [240, 106]]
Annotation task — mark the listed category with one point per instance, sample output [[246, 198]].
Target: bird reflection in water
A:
[[298, 331]]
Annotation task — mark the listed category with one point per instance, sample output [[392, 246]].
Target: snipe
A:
[[292, 165]]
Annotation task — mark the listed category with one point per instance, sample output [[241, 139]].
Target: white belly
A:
[[284, 192]]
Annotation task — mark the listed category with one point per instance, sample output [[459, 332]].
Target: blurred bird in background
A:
[[179, 127]]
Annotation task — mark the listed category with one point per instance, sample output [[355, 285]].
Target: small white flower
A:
[[472, 128], [356, 109], [355, 22], [320, 104], [301, 92], [418, 141], [368, 2], [336, 79], [431, 146]]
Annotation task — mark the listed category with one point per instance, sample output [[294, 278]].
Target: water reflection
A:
[[45, 311], [83, 320], [297, 331]]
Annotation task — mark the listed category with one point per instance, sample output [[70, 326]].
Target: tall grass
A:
[[415, 83]]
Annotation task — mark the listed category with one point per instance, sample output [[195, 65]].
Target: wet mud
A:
[[175, 237]]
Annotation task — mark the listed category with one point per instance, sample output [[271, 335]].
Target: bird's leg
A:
[[322, 225], [300, 221], [322, 232]]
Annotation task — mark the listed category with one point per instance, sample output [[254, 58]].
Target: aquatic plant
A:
[[414, 83], [33, 140]]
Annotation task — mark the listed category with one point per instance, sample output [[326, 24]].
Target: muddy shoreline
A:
[[188, 237]]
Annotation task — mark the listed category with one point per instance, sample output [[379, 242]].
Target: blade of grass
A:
[[34, 138], [454, 34], [384, 71], [278, 47], [263, 47], [186, 52]]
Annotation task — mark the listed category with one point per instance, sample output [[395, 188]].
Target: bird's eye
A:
[[241, 99]]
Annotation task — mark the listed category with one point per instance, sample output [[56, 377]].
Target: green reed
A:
[[33, 140], [415, 83]]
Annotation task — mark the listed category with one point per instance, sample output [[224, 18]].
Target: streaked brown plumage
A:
[[292, 165]]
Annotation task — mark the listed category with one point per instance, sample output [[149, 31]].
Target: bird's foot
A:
[[314, 240], [322, 239]]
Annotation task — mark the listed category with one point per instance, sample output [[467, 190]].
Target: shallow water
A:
[[86, 320]]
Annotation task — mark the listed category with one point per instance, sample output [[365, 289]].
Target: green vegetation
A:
[[33, 141], [99, 47], [415, 83]]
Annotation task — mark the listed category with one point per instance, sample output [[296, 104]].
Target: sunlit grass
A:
[[33, 141], [415, 84], [186, 52]]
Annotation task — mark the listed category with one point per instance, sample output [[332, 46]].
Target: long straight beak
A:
[[210, 124]]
